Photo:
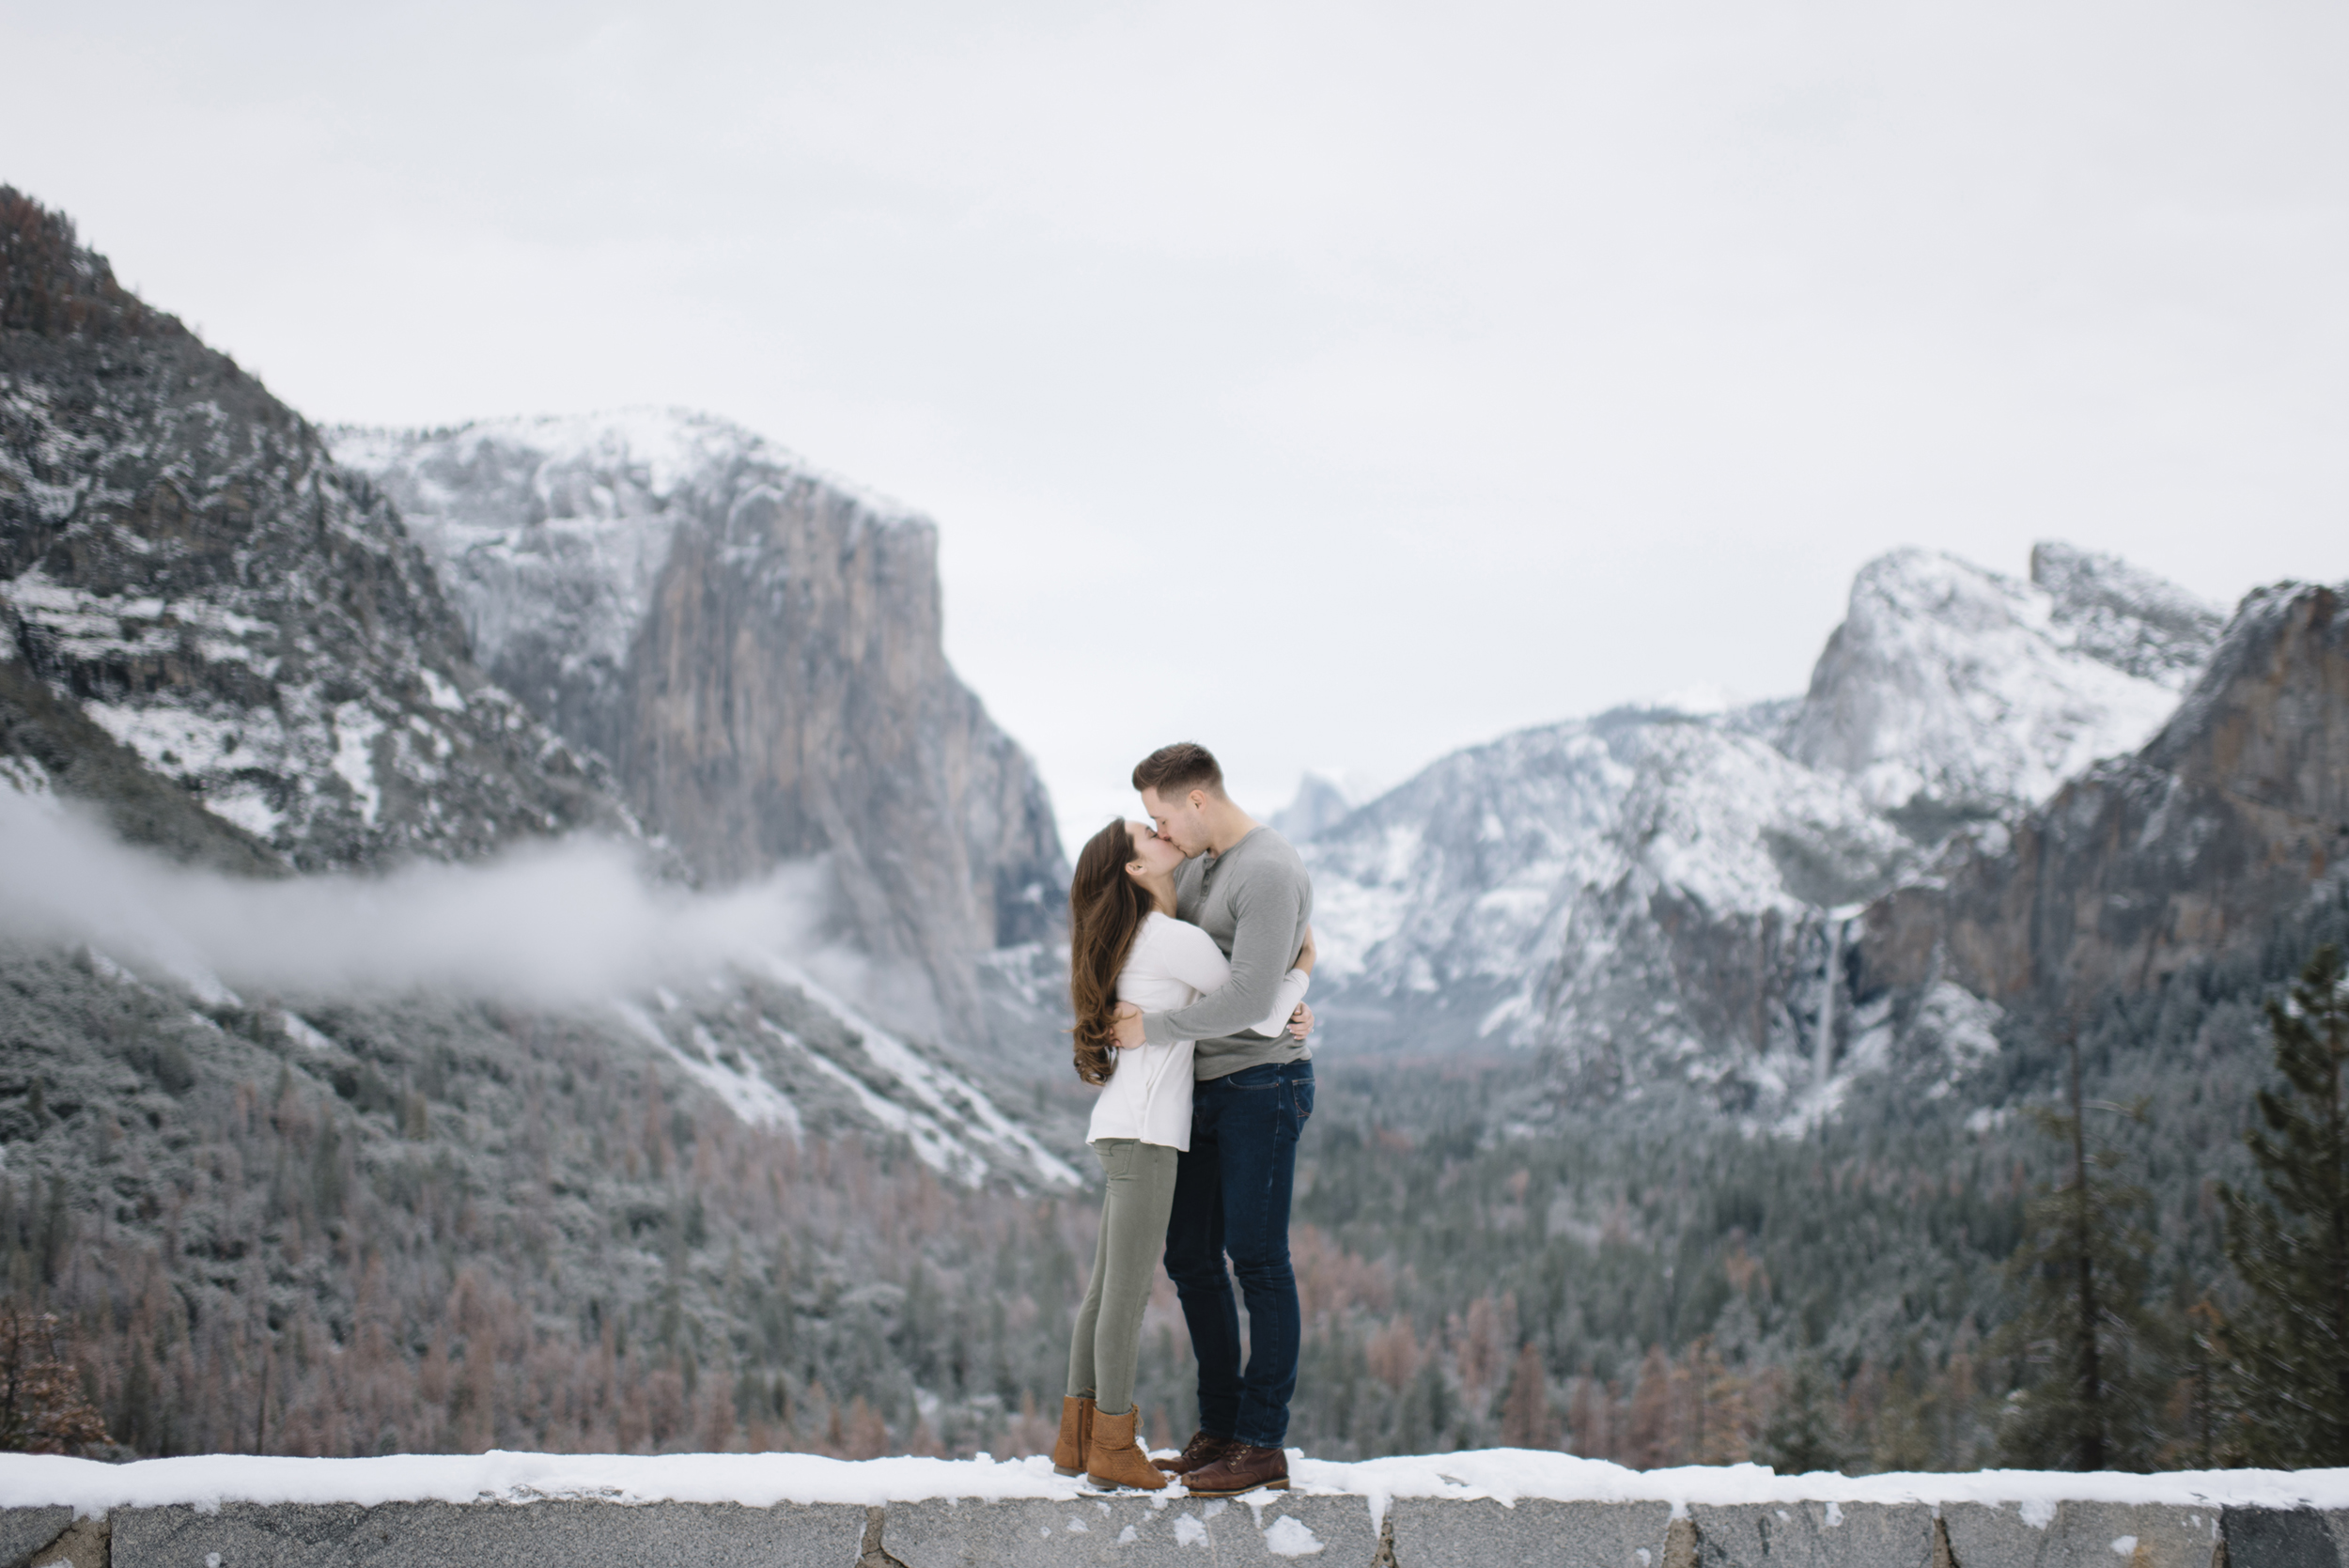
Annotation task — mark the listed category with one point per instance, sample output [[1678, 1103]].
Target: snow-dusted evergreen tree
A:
[[1802, 1435], [2293, 1248], [2090, 1347]]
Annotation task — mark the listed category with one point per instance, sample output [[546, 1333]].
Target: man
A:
[[1247, 888]]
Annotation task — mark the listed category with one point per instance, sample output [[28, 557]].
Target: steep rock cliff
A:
[[1641, 894], [2192, 847], [228, 647], [755, 649], [182, 560], [1662, 896]]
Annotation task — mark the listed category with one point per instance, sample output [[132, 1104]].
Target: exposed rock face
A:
[[756, 650], [2191, 847], [1640, 893], [230, 646], [49, 748], [1687, 955], [181, 557], [1655, 895], [2143, 625], [1430, 902], [1320, 804], [211, 627], [1951, 691]]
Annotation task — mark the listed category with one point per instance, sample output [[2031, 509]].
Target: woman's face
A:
[[1154, 855]]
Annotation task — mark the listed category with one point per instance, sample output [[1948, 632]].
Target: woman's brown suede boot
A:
[[1114, 1459], [1076, 1436]]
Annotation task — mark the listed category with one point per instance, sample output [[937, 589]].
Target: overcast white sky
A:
[[1336, 384]]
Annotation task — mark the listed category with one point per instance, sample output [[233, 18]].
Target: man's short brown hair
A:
[[1178, 769]]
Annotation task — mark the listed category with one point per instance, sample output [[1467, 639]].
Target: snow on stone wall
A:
[[1494, 1506]]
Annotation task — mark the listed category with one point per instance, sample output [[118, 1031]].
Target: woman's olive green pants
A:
[[1140, 1195]]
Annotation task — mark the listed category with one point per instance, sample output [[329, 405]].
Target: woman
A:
[[1126, 945]]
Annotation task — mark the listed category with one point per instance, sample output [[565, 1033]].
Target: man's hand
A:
[[1129, 1018], [1301, 1021]]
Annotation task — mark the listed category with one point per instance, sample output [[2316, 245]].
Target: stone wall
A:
[[1412, 1532]]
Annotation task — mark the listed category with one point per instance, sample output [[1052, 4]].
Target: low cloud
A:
[[548, 923]]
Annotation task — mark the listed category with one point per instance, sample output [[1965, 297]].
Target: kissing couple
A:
[[1189, 956]]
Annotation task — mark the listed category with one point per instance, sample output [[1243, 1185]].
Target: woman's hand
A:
[[1305, 953], [1301, 1021]]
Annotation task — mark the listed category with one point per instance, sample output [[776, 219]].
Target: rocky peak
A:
[[2141, 625], [1320, 804], [1660, 894], [549, 535], [2148, 863], [1951, 691], [755, 649]]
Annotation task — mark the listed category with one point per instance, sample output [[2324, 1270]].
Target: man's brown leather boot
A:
[[1114, 1459], [1076, 1432], [1243, 1468], [1203, 1449]]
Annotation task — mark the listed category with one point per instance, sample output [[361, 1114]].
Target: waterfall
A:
[[1822, 1048]]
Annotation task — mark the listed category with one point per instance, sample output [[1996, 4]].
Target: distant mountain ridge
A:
[[1662, 898]]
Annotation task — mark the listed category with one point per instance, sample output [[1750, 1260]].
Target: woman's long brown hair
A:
[[1106, 908]]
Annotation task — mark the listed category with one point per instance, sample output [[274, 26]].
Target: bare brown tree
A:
[[42, 1407]]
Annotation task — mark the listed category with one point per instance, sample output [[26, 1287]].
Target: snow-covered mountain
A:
[[549, 535], [2146, 864], [1952, 690], [1318, 803], [756, 649], [1630, 890], [1656, 894], [232, 647], [182, 560]]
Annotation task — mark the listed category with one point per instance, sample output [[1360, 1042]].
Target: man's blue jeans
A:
[[1231, 1197]]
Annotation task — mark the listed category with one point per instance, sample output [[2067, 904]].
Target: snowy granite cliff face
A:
[[2232, 814], [182, 560], [1952, 692], [1659, 896], [230, 647], [1640, 893], [1318, 803], [756, 649]]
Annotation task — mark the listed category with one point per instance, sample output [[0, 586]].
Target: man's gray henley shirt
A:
[[1256, 901]]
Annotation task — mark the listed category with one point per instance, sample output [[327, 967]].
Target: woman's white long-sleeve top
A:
[[1172, 964]]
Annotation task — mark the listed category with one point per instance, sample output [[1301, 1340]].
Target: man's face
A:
[[1179, 821]]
